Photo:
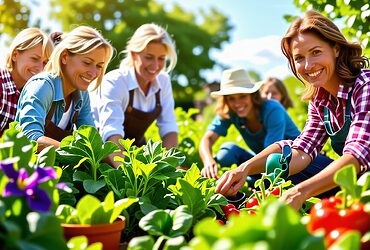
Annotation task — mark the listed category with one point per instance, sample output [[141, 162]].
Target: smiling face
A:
[[27, 63], [79, 70], [240, 104], [149, 62], [270, 91], [315, 60]]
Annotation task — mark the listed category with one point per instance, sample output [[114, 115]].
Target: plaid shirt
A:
[[9, 98], [314, 135]]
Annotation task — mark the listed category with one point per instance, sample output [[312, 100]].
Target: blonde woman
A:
[[27, 56], [53, 102], [140, 91]]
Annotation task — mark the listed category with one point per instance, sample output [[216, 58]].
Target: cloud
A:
[[258, 51], [262, 55]]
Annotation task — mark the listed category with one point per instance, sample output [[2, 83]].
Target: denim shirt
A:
[[36, 99], [277, 125]]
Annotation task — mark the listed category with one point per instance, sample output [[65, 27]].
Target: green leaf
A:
[[192, 175], [121, 205], [157, 223], [81, 176], [181, 221], [92, 186], [46, 157], [45, 231], [346, 178], [141, 243], [175, 243], [81, 242], [86, 206]]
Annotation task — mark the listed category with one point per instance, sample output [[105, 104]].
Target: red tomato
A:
[[325, 215], [274, 192], [231, 211], [251, 202], [334, 235]]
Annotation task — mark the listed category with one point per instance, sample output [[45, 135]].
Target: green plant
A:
[[90, 211], [28, 195], [81, 157]]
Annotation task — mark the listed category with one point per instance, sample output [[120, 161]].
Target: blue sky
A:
[[255, 39]]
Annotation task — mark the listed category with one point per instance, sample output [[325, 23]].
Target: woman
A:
[[55, 101], [260, 122], [140, 91], [27, 56], [273, 88], [337, 86]]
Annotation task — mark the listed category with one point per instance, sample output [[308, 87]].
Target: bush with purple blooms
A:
[[29, 195]]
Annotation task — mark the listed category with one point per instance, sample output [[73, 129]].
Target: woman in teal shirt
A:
[[260, 122]]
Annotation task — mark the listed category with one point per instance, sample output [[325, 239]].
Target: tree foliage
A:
[[194, 35], [14, 16], [355, 14]]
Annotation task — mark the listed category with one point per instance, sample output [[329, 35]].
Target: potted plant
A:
[[98, 221]]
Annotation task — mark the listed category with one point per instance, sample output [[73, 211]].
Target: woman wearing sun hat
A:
[[260, 122]]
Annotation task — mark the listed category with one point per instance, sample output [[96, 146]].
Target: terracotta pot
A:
[[108, 234]]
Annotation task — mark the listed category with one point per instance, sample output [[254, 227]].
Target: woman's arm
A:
[[210, 167], [170, 140]]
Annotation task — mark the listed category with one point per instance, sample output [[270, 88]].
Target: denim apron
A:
[[338, 138], [137, 121]]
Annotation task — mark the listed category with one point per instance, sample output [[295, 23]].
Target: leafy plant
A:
[[197, 193], [28, 193], [167, 224], [90, 211], [276, 226], [81, 156], [145, 173]]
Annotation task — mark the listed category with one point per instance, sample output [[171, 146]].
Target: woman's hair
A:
[[81, 40], [285, 98], [144, 35], [223, 109], [350, 60], [27, 39]]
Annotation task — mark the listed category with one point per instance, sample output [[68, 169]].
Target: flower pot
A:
[[108, 234]]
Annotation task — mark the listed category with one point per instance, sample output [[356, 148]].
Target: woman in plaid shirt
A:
[[337, 83], [27, 56]]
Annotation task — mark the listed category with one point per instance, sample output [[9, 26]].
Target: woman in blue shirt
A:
[[260, 122], [52, 103]]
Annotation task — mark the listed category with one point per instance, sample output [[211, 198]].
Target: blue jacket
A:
[[277, 125], [36, 99]]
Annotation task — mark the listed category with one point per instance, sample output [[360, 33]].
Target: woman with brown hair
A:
[[337, 83]]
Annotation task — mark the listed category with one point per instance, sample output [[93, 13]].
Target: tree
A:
[[195, 35], [14, 16], [355, 14]]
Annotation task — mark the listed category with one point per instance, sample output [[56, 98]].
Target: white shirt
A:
[[110, 100]]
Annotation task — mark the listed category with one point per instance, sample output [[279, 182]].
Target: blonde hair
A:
[[27, 39], [80, 40], [144, 35], [350, 60]]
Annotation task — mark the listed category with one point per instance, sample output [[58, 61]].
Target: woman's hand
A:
[[231, 181], [294, 197], [210, 169]]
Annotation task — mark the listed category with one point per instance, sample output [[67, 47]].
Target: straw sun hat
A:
[[236, 81]]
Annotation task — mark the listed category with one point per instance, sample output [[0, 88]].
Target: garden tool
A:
[[278, 164]]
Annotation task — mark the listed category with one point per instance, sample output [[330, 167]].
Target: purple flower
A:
[[20, 184]]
